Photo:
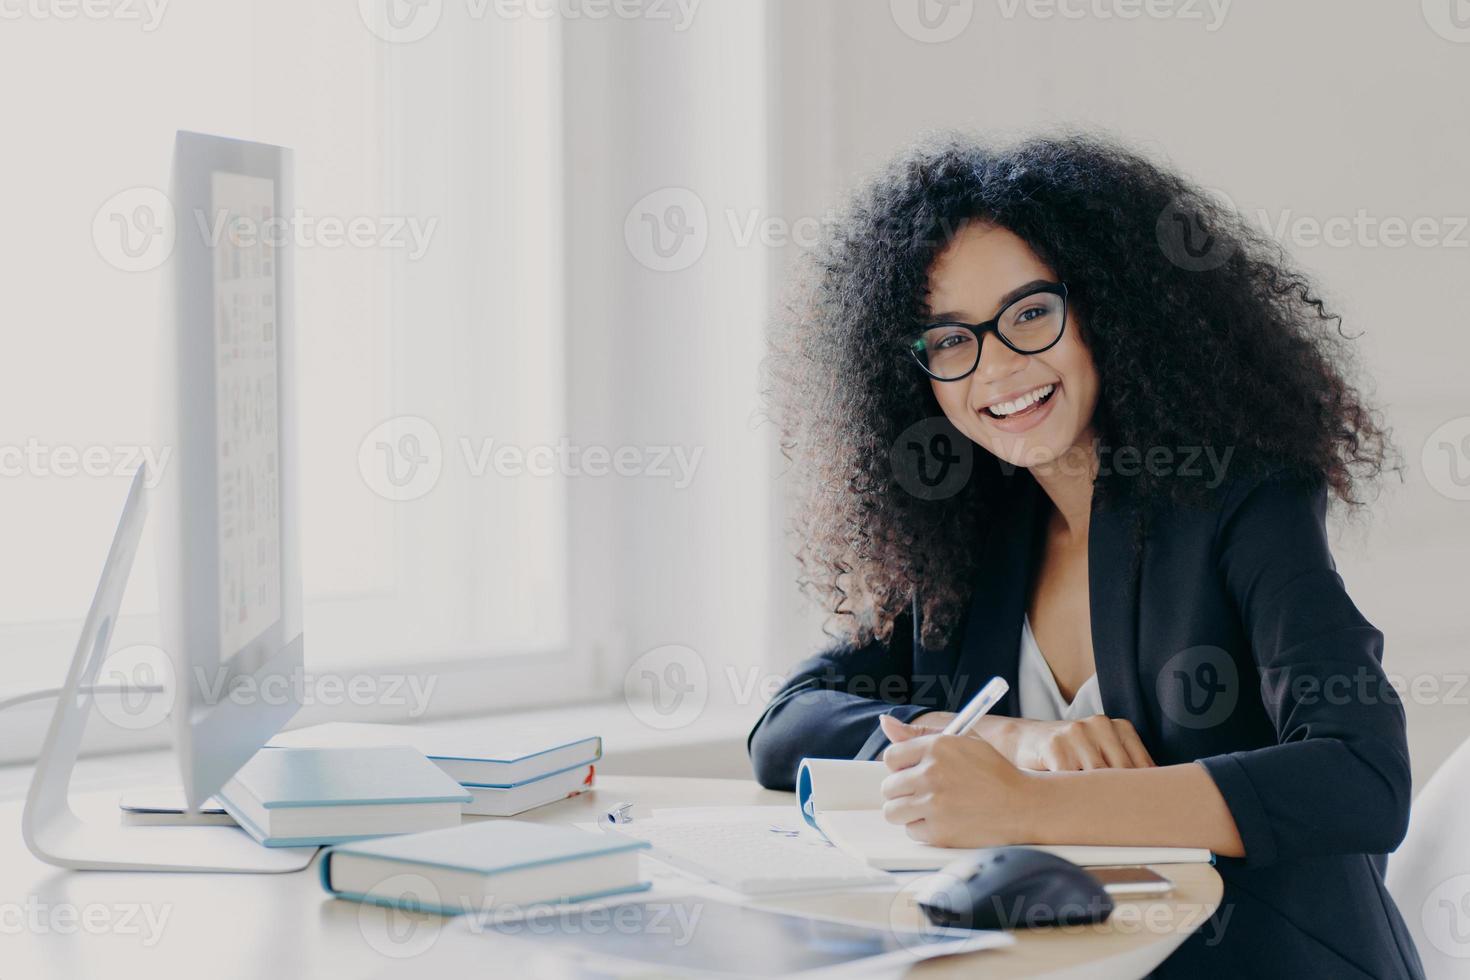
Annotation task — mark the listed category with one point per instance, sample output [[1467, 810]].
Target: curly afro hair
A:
[[1202, 334]]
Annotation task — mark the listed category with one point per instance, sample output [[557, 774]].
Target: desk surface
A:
[[58, 924]]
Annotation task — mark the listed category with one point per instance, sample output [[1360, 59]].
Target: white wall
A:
[[660, 118], [1308, 110]]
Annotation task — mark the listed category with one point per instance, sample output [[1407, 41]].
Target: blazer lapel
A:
[[1114, 573], [992, 643]]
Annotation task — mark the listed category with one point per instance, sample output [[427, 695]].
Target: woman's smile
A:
[[1020, 412]]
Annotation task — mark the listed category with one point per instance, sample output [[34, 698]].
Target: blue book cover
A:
[[347, 777], [303, 797], [483, 754], [486, 848]]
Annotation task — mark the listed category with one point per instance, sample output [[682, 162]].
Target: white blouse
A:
[[1040, 698]]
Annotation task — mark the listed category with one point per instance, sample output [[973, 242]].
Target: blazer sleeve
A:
[[1338, 780], [829, 707]]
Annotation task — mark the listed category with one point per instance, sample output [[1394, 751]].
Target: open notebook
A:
[[842, 799]]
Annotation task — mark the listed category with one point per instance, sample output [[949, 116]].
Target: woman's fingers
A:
[[905, 809], [899, 731], [901, 755], [1108, 745], [1128, 735]]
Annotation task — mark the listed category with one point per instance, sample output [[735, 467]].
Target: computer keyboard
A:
[[751, 857]]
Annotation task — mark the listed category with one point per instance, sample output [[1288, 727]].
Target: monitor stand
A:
[[53, 831]]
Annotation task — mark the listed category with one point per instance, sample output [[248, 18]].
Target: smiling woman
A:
[[1043, 313]]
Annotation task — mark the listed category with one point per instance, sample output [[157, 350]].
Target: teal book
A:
[[492, 865], [302, 797]]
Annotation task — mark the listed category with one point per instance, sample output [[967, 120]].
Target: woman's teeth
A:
[[1002, 409]]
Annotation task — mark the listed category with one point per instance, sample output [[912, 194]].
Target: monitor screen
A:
[[247, 444]]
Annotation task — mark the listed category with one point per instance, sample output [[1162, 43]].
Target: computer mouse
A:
[[1013, 888]]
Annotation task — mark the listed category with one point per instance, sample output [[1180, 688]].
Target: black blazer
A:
[[1228, 639]]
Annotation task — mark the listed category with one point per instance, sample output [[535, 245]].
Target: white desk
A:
[[281, 927]]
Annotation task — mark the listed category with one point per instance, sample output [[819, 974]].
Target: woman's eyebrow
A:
[[951, 316]]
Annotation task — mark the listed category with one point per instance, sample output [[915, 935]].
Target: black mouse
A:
[[1014, 888]]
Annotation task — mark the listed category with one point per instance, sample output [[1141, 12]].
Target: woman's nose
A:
[[997, 361]]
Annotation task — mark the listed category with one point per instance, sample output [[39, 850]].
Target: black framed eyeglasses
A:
[[950, 350]]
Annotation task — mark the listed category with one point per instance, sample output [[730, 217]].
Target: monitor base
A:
[[68, 841], [53, 831]]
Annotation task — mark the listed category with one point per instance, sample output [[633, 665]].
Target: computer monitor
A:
[[229, 529], [229, 559]]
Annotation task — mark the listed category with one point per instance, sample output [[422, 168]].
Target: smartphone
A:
[[1131, 882]]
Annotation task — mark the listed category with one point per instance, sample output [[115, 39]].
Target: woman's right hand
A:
[[1098, 742]]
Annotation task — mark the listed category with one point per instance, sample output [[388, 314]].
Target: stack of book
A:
[[482, 867], [505, 771], [302, 797]]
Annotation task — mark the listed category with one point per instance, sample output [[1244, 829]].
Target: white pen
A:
[[989, 697]]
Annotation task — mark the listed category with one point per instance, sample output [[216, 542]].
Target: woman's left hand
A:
[[955, 791]]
